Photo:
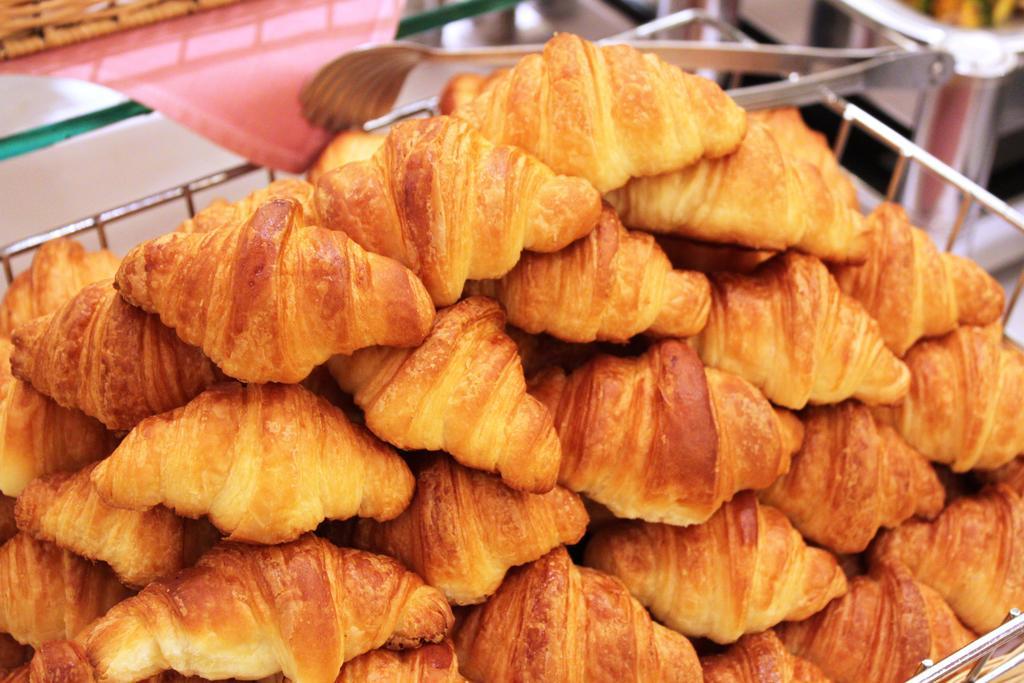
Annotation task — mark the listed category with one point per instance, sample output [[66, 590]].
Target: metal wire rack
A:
[[1005, 643]]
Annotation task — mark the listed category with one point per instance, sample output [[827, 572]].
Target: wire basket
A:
[[995, 656], [28, 26]]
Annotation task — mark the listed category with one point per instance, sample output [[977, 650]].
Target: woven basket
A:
[[28, 26]]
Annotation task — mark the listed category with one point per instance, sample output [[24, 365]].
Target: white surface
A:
[[30, 101]]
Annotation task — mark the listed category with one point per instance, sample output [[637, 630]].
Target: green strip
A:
[[50, 134]]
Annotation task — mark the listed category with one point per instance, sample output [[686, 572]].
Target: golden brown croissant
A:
[[879, 631], [451, 206], [303, 608], [912, 289], [346, 147], [610, 285], [554, 622], [760, 658], [435, 663], [38, 436], [851, 477], [706, 257], [788, 330], [60, 268], [460, 90], [744, 570], [265, 462], [794, 136], [965, 401], [465, 529], [271, 298], [47, 593], [109, 359], [58, 661], [660, 438], [760, 197], [972, 554], [463, 392], [8, 527], [221, 213], [66, 510], [1011, 474], [606, 113]]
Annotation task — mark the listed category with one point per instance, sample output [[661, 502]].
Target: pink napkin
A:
[[231, 74]]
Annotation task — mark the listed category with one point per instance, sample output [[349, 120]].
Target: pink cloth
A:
[[232, 74]]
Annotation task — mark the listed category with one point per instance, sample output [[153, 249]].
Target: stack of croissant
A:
[[593, 377]]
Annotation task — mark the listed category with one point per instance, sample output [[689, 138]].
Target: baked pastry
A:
[[8, 527], [760, 658], [606, 113], [1011, 474], [48, 594], [58, 661], [271, 298], [851, 477], [540, 351], [266, 463], [879, 631], [971, 554], [12, 655], [66, 510], [60, 268], [708, 257], [554, 622], [434, 663], [464, 529], [744, 570], [221, 213], [441, 199], [911, 288], [966, 397], [462, 88], [463, 392], [346, 147], [109, 359], [610, 285], [662, 439], [302, 608], [759, 197], [787, 329], [38, 436], [794, 136]]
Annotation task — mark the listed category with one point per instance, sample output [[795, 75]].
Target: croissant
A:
[[346, 147], [788, 127], [554, 622], [66, 510], [706, 257], [38, 436], [1011, 474], [744, 570], [451, 206], [265, 462], [660, 438], [972, 554], [760, 658], [465, 529], [759, 197], [966, 397], [610, 285], [303, 608], [851, 477], [463, 392], [912, 289], [221, 213], [109, 360], [787, 329], [460, 90], [435, 663], [8, 527], [58, 661], [540, 351], [60, 268], [47, 593], [606, 113], [879, 631], [269, 299]]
